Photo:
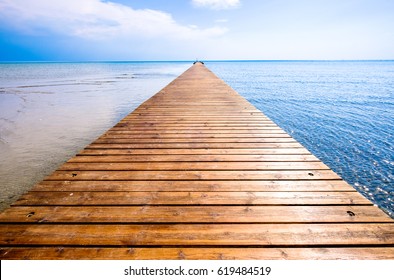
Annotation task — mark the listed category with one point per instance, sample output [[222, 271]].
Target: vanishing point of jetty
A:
[[195, 172]]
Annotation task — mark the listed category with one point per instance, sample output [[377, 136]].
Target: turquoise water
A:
[[343, 112]]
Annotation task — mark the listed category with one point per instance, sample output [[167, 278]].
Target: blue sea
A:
[[342, 111]]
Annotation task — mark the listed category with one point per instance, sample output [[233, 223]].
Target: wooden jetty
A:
[[195, 172]]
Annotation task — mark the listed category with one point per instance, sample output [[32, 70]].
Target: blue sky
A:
[[58, 30]]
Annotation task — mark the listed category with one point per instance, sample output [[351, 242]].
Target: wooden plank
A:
[[130, 253], [195, 186], [193, 122], [192, 198], [229, 112], [269, 138], [195, 145], [196, 235], [201, 128], [195, 158], [194, 175], [198, 130], [200, 151], [191, 133], [108, 140], [143, 124], [129, 166], [183, 118], [195, 214]]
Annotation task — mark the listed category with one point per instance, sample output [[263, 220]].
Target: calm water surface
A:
[[343, 112], [50, 111]]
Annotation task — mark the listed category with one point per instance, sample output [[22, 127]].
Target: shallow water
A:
[[50, 111], [341, 111]]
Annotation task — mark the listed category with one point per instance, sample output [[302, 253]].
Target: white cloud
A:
[[96, 19], [217, 4], [221, 20]]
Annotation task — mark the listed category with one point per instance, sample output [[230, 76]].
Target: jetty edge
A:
[[195, 172]]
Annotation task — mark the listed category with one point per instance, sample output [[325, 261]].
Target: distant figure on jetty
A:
[[197, 61]]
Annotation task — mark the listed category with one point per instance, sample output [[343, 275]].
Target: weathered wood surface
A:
[[195, 172]]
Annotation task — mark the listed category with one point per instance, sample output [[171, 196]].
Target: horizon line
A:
[[192, 60]]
